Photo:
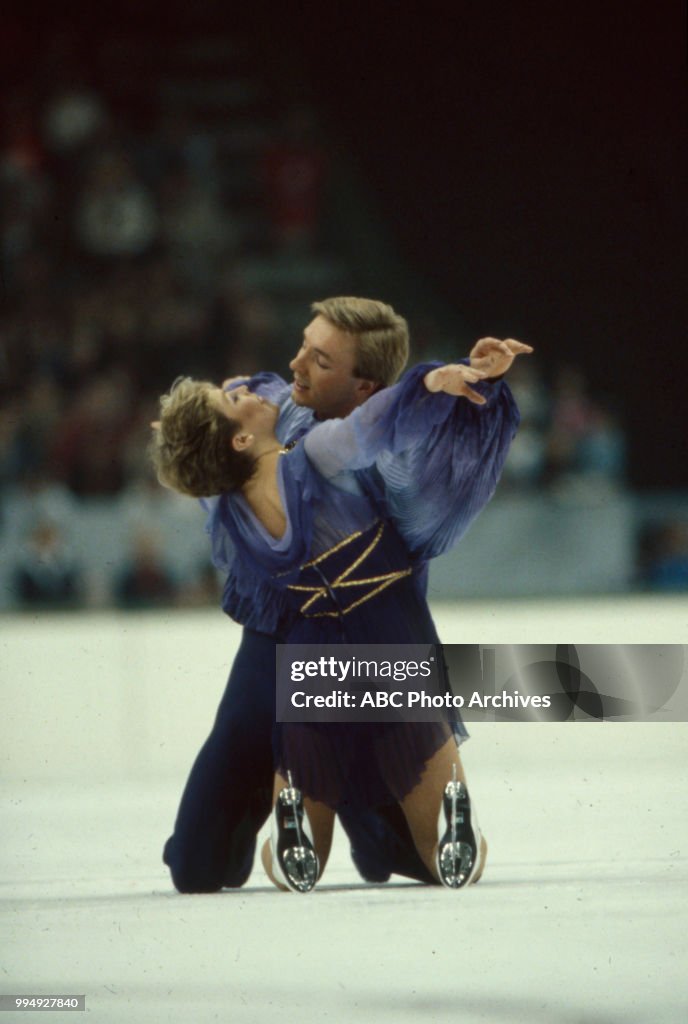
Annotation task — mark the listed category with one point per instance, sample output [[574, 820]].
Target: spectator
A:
[[666, 557], [196, 229], [294, 172], [145, 581], [46, 573], [585, 441], [73, 116], [87, 452], [526, 463], [115, 214], [602, 449]]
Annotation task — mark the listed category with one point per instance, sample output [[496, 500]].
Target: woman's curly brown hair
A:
[[192, 449]]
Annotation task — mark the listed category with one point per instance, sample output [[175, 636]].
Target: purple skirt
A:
[[368, 764], [371, 763]]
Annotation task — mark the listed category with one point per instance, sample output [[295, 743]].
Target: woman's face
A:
[[255, 415]]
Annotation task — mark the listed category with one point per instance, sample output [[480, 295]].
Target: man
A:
[[351, 348]]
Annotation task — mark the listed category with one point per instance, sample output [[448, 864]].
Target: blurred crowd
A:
[[569, 441], [121, 262], [122, 249], [122, 253]]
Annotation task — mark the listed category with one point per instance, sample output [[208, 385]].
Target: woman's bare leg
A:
[[321, 821], [422, 805]]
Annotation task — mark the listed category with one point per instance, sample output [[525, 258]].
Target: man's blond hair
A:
[[382, 335]]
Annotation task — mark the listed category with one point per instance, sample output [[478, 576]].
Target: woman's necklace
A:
[[280, 451]]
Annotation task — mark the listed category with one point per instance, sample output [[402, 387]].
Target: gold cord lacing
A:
[[319, 591]]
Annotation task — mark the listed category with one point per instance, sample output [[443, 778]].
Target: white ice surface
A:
[[581, 915]]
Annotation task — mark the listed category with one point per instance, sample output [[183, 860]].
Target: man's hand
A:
[[495, 357], [455, 379]]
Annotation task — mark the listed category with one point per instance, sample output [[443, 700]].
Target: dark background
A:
[[529, 161]]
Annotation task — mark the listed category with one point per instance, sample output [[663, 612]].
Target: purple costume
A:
[[342, 572]]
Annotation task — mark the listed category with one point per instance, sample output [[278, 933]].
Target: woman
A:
[[300, 524]]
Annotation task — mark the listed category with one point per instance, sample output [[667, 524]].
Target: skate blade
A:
[[459, 844], [300, 868], [456, 864], [294, 861]]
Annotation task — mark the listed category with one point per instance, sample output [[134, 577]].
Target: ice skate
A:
[[294, 861], [459, 850]]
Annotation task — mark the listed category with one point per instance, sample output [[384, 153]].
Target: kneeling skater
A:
[[301, 523]]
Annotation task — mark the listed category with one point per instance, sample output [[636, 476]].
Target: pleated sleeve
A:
[[433, 459]]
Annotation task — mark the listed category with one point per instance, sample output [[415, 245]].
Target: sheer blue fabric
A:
[[342, 573], [430, 463], [434, 460]]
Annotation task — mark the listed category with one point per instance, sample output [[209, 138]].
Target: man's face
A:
[[323, 371]]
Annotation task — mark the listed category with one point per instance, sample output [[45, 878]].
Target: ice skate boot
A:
[[294, 860], [459, 848]]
